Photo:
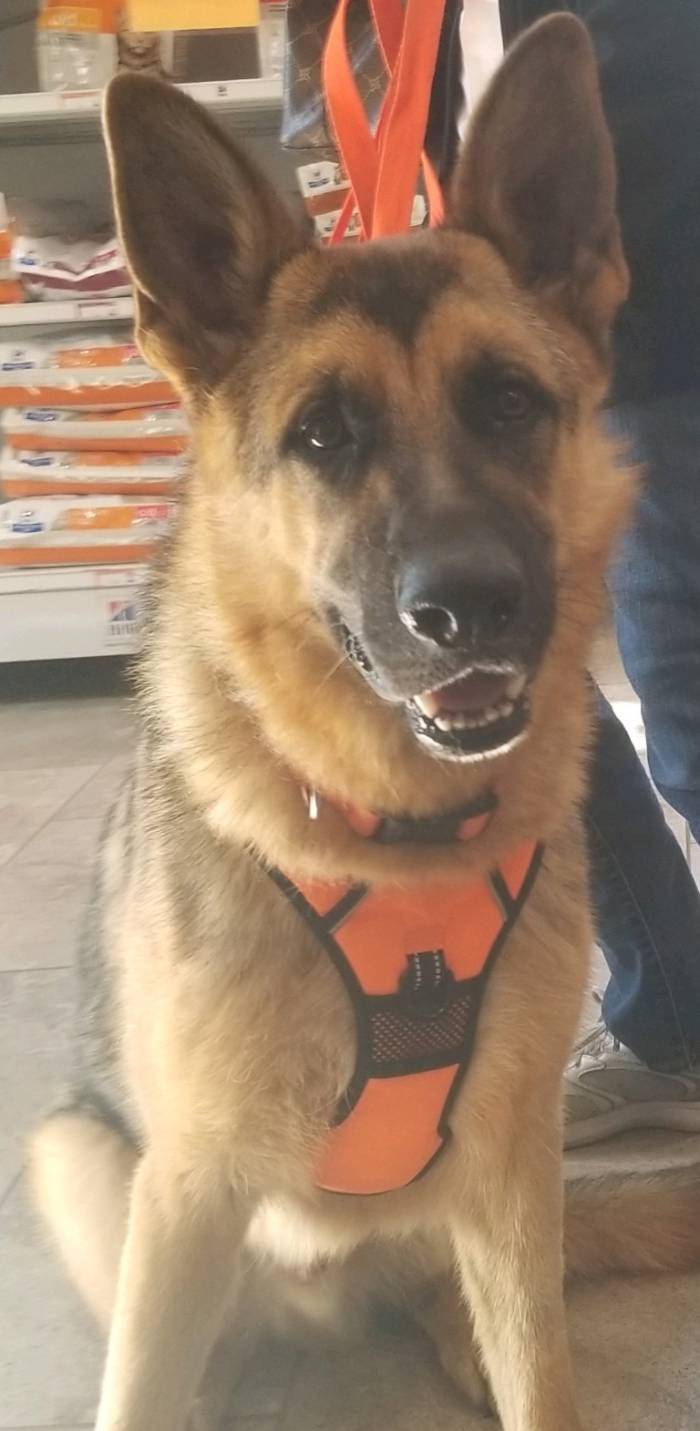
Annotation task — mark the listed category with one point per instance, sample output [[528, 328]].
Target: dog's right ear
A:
[[202, 229]]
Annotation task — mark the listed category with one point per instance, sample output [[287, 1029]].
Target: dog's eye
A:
[[499, 402], [510, 402], [324, 429]]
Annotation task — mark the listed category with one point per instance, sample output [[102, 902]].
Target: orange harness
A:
[[415, 964]]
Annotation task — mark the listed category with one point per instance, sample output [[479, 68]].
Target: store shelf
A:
[[64, 115], [82, 611], [49, 613], [74, 310]]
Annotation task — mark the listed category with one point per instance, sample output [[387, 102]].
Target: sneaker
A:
[[608, 1090]]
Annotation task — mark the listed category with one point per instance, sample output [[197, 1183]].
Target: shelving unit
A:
[[241, 102], [66, 313], [92, 610], [49, 613]]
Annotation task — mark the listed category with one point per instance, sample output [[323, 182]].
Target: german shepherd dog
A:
[[379, 597]]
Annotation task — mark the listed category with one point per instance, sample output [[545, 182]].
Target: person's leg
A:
[[655, 588], [647, 905], [640, 1066]]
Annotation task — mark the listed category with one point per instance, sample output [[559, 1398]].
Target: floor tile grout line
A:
[[13, 1183], [37, 969], [47, 821]]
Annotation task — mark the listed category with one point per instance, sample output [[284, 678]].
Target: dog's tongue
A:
[[469, 694]]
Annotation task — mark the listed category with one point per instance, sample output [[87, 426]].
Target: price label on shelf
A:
[[97, 308], [75, 99], [131, 576]]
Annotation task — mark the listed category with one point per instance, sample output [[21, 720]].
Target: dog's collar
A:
[[461, 824]]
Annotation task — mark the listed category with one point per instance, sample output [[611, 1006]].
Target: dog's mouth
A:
[[479, 714], [482, 713]]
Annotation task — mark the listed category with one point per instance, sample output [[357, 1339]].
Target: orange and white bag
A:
[[69, 531], [76, 371], [50, 429], [26, 473]]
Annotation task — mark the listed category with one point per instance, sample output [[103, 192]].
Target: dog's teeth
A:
[[515, 687], [428, 704], [460, 720]]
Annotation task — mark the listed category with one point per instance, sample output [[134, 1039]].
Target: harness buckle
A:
[[427, 984]]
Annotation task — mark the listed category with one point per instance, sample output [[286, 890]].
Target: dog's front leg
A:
[[177, 1278], [509, 1256]]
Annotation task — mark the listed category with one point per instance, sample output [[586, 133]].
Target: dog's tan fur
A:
[[231, 1038]]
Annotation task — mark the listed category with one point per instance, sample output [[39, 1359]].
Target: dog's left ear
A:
[[202, 229], [537, 176]]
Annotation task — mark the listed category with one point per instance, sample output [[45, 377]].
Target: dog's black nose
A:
[[464, 599]]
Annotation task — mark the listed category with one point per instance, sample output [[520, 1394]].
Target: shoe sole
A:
[[670, 1117]]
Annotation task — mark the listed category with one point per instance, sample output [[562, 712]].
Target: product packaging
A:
[[30, 473], [55, 268], [272, 38], [47, 429], [56, 531], [11, 290], [79, 370], [76, 44], [324, 188]]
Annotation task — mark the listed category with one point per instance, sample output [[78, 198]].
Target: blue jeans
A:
[[647, 904]]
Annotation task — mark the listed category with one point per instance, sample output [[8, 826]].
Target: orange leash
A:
[[382, 168]]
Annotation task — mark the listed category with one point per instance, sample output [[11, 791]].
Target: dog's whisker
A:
[[342, 660]]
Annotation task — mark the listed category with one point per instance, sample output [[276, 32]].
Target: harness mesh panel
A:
[[397, 1036]]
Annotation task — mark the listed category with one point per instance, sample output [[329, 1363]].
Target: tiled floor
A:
[[61, 759]]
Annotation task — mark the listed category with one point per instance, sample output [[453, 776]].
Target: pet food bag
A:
[[47, 429], [32, 473], [55, 268], [77, 44], [81, 370], [72, 531]]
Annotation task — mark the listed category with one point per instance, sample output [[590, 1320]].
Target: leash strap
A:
[[382, 168]]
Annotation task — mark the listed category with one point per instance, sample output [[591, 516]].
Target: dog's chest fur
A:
[[229, 1006]]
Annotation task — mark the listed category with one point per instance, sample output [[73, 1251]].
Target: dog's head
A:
[[400, 499]]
